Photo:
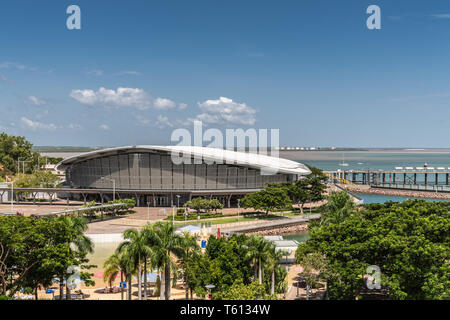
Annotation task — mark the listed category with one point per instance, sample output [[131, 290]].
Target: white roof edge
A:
[[270, 164]]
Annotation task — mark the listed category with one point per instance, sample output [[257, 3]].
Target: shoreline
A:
[[399, 193], [282, 231]]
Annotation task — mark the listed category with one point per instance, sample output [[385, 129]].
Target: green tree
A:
[[14, 149], [166, 245], [118, 263], [340, 205], [190, 251], [138, 249], [268, 199], [408, 241], [241, 291]]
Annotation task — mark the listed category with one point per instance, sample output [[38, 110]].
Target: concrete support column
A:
[[437, 178], [426, 178], [384, 177], [84, 197], [404, 178], [415, 178], [446, 179], [68, 200], [393, 178]]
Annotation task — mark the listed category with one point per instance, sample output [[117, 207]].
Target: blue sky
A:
[[309, 68]]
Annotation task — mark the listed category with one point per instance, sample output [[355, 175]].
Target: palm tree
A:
[[274, 261], [117, 263], [138, 250], [191, 250], [340, 205], [165, 245], [79, 242], [258, 252]]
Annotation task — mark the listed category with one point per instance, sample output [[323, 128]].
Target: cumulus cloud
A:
[[163, 121], [182, 106], [35, 101], [104, 127], [163, 104], [225, 110], [35, 125], [122, 97]]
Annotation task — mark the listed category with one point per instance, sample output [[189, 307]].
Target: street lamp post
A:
[[209, 287], [239, 207]]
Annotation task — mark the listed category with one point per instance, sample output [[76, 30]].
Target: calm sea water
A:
[[372, 160]]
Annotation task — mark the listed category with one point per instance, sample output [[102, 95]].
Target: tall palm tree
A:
[[165, 245], [258, 252], [79, 242], [274, 261], [118, 263], [191, 250], [138, 250]]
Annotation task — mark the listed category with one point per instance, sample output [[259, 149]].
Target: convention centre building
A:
[[151, 175]]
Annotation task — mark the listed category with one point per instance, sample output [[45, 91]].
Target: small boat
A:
[[343, 163]]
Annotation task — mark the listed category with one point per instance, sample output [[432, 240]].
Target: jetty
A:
[[406, 178]]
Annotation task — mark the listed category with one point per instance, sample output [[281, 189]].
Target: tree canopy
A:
[[408, 241]]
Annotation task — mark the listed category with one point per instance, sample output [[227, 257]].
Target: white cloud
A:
[[95, 72], [182, 106], [163, 121], [75, 126], [122, 97], [162, 104], [129, 72], [225, 110], [441, 16], [35, 125], [36, 101], [12, 65], [15, 65], [104, 127]]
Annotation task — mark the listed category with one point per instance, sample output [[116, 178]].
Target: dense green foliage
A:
[[33, 252], [14, 150], [233, 264], [408, 241], [268, 199], [92, 210], [201, 204], [240, 291], [37, 179], [310, 188]]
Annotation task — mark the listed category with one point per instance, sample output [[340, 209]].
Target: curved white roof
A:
[[268, 164]]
